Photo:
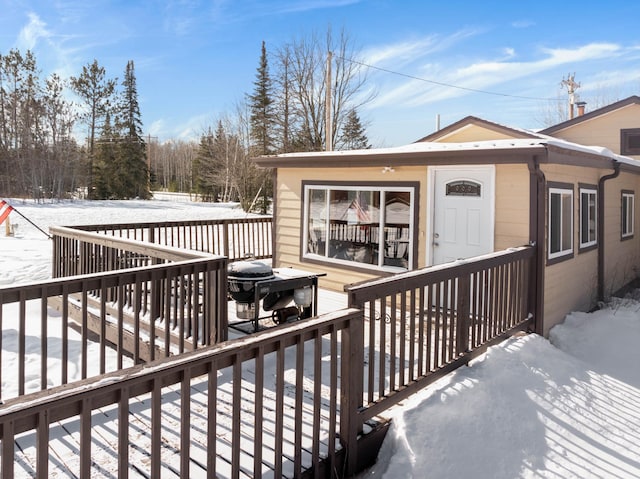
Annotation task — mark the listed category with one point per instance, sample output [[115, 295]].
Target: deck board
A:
[[64, 448]]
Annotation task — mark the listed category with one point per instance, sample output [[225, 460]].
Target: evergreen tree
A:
[[96, 92], [106, 158], [263, 126], [353, 135], [222, 159], [202, 167], [261, 106], [132, 177]]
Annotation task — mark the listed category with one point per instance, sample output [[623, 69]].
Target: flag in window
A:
[[361, 208]]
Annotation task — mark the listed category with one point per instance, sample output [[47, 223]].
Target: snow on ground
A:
[[31, 244], [530, 407]]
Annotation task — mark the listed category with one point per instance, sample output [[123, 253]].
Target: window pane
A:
[[317, 226], [627, 214], [587, 217], [560, 222], [631, 214], [354, 222], [592, 217], [634, 141], [584, 218], [567, 220], [396, 229], [554, 222]]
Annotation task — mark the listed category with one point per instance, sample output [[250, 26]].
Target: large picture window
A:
[[371, 226], [560, 222], [628, 213], [588, 217]]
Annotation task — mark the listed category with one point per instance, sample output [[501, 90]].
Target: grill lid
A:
[[249, 270]]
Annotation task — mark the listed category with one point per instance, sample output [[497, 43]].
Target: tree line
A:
[[286, 111], [39, 155]]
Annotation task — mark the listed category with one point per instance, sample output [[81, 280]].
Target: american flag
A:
[[362, 209], [5, 210]]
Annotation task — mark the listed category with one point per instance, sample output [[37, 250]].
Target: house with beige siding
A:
[[615, 127], [469, 189]]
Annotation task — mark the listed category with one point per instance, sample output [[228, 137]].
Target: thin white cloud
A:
[[488, 75], [554, 57], [590, 51], [180, 16], [509, 52], [189, 129], [32, 32], [523, 24], [610, 79], [306, 5], [411, 50], [399, 52]]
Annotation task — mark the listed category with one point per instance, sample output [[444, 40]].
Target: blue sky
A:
[[196, 59]]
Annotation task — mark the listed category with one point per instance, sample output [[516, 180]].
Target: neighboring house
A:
[[471, 188], [615, 126]]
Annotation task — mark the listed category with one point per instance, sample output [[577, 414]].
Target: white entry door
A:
[[463, 212]]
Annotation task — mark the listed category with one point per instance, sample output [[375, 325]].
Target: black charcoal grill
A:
[[241, 280]]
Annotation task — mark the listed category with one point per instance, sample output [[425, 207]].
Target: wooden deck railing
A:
[[425, 323], [85, 252], [321, 378], [235, 238], [271, 404], [136, 314]]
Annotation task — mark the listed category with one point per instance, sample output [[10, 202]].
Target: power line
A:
[[449, 85]]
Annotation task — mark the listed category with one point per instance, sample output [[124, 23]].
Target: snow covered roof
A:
[[421, 152], [469, 121]]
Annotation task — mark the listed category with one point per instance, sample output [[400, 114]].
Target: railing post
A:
[[56, 259], [225, 239], [351, 388], [462, 313], [215, 302], [534, 286]]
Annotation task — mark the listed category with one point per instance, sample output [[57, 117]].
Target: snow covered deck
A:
[[247, 415]]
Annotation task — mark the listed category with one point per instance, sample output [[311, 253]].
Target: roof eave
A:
[[413, 158]]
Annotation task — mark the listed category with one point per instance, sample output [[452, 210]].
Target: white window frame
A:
[[627, 214], [565, 194], [380, 266], [590, 208]]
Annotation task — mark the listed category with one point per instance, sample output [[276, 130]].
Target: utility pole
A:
[[571, 86], [327, 108]]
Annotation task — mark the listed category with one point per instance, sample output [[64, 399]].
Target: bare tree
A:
[[59, 117], [171, 165], [302, 76]]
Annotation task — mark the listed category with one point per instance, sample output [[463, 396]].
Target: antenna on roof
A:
[[571, 86]]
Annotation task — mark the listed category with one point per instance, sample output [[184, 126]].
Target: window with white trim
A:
[[560, 222], [628, 213], [588, 217], [368, 225]]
